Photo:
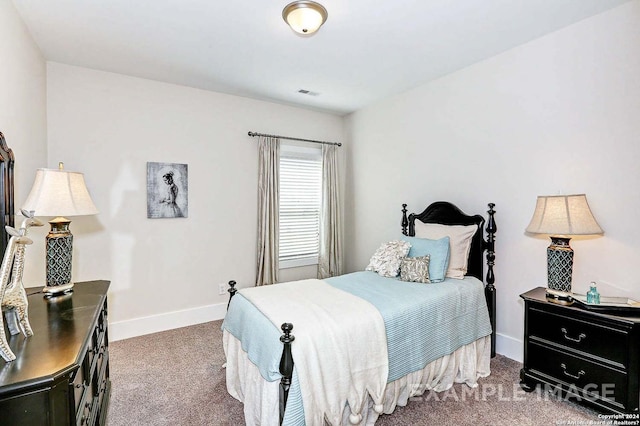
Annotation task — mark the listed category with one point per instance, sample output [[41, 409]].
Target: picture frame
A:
[[167, 190]]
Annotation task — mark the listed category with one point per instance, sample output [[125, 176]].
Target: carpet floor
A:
[[176, 378]]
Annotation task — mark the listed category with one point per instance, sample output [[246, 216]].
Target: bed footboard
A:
[[232, 291], [286, 366], [286, 360]]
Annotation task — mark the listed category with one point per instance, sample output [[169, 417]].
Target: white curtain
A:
[[330, 259], [268, 211]]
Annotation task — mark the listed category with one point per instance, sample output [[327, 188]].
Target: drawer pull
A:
[[578, 340], [573, 376]]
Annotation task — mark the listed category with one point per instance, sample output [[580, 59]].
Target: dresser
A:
[[585, 356], [61, 373]]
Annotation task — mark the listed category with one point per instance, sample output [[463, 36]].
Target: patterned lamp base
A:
[[59, 256], [559, 268]]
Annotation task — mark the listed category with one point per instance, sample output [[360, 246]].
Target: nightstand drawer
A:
[[588, 337], [596, 380]]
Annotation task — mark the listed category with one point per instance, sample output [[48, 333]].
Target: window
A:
[[300, 201]]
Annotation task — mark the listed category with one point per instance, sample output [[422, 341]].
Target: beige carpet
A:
[[176, 378]]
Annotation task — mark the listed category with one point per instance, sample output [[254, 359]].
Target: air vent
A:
[[308, 92]]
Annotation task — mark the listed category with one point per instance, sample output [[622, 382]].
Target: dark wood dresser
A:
[[61, 373], [585, 356]]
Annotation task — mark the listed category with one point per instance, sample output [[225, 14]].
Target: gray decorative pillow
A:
[[386, 260], [415, 269]]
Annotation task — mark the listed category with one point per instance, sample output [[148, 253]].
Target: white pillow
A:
[[386, 260], [460, 237]]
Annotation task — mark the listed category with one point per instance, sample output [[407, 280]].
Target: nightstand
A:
[[584, 356]]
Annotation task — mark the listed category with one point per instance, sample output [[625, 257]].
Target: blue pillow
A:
[[438, 250]]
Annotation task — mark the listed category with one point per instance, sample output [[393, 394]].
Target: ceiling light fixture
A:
[[304, 17]]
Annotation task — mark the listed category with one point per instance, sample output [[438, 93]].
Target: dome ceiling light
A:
[[304, 17]]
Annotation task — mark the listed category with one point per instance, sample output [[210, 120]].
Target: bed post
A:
[[405, 221], [490, 290], [232, 291], [286, 366]]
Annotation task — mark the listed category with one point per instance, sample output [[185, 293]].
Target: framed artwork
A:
[[167, 190]]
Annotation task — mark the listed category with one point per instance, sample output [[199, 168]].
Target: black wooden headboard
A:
[[445, 213], [7, 209]]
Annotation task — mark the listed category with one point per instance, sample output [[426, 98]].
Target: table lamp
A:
[[562, 216], [59, 193]]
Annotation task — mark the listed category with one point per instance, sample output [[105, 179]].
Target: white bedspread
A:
[[260, 397], [351, 362]]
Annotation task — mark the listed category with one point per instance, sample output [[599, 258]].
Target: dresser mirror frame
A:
[[7, 209]]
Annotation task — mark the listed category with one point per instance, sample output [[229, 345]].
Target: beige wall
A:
[[23, 118], [165, 272], [557, 115]]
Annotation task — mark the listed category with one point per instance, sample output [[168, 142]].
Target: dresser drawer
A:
[[92, 348], [597, 381], [588, 337], [103, 357], [80, 383], [103, 384], [102, 320], [85, 414]]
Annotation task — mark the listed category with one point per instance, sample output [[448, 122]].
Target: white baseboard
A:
[[509, 347], [155, 323]]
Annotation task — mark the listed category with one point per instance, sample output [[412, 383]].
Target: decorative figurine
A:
[[593, 296], [5, 272], [15, 304]]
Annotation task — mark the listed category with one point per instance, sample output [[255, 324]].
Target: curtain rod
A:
[[254, 134]]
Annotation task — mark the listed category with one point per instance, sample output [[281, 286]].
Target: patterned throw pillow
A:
[[415, 269], [438, 251], [386, 260]]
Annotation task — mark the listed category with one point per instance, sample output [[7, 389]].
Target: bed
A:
[[366, 343]]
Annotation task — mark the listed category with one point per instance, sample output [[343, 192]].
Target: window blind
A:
[[300, 201]]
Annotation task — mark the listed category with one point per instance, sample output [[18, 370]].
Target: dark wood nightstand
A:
[[61, 374], [584, 356]]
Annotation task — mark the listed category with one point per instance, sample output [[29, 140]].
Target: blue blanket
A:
[[423, 322]]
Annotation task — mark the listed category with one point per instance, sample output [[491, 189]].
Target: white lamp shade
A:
[[304, 17], [59, 193], [563, 215]]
